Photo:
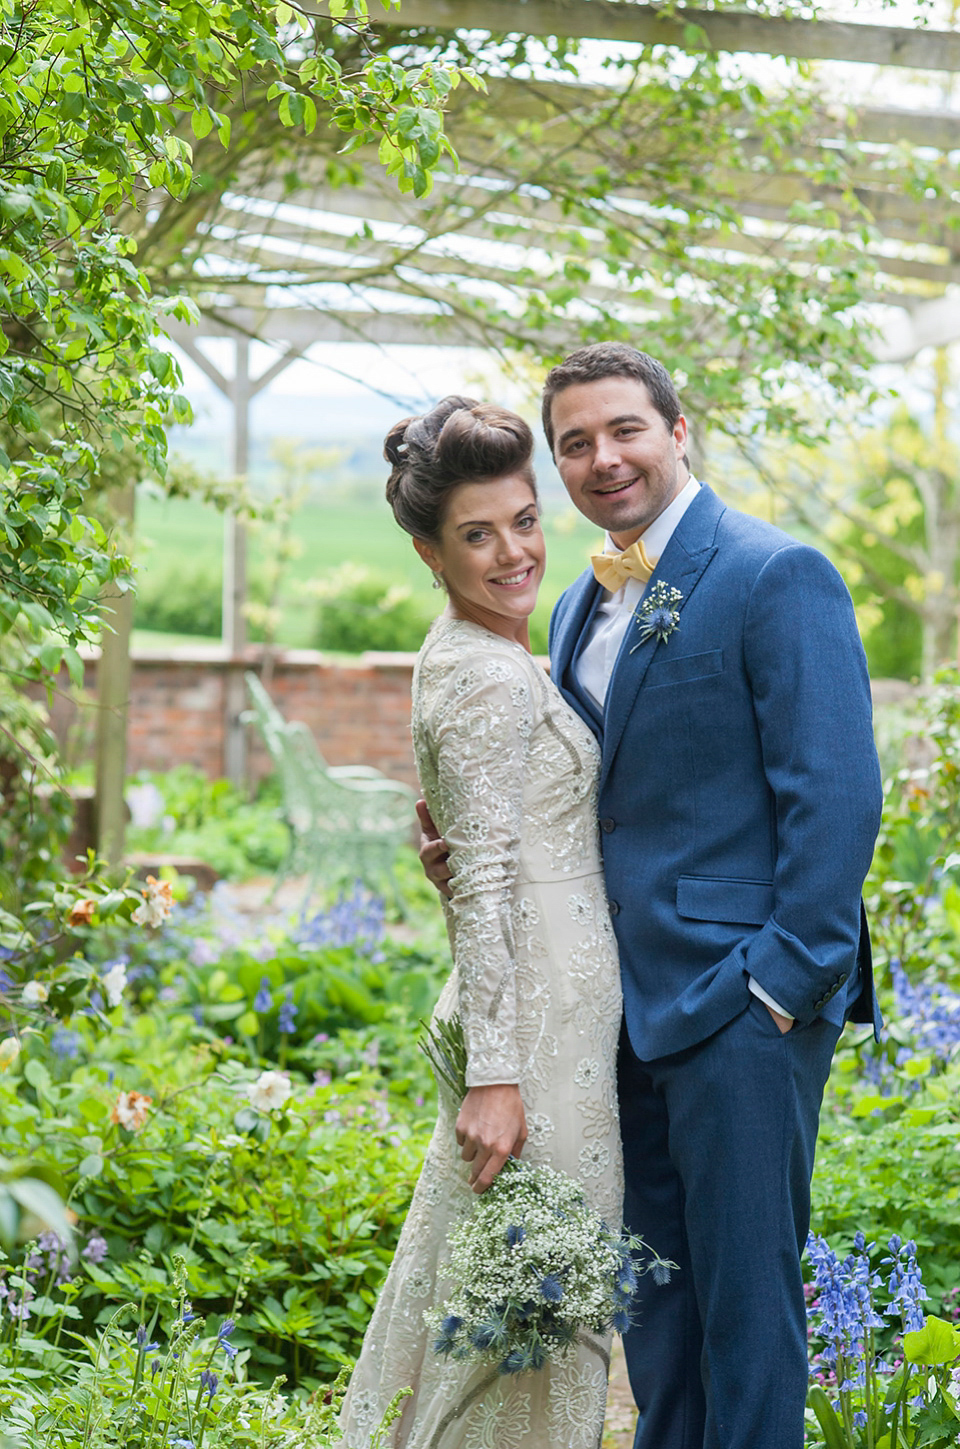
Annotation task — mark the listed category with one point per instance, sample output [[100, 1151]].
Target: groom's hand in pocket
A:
[[491, 1127], [433, 851]]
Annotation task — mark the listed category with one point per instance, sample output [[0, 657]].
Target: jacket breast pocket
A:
[[718, 898], [684, 669]]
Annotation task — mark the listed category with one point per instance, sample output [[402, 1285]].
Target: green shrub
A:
[[151, 1377], [213, 821], [359, 611], [189, 601], [167, 1148]]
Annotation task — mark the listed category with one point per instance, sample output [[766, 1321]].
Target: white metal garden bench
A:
[[346, 822]]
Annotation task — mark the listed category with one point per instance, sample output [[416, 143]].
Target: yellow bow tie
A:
[[612, 570]]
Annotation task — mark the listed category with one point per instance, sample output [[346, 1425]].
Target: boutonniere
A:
[[657, 614]]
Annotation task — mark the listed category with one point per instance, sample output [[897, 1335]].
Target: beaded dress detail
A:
[[509, 772]]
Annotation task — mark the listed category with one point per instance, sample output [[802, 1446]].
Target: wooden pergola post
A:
[[240, 390], [113, 700]]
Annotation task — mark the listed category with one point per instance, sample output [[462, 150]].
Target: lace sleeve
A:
[[483, 727]]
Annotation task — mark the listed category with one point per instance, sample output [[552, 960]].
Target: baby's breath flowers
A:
[[535, 1266]]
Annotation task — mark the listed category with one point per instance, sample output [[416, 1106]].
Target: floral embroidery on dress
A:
[[539, 1129], [581, 909], [509, 773], [594, 1159], [571, 1411], [588, 1072], [499, 1426]]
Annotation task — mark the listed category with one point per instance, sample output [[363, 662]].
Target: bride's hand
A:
[[490, 1128]]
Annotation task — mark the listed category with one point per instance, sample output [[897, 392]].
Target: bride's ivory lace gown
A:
[[509, 772]]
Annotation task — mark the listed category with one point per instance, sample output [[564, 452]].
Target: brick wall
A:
[[358, 710]]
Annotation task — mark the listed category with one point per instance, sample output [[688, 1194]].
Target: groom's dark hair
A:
[[612, 359]]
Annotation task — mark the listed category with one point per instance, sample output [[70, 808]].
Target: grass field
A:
[[181, 538]]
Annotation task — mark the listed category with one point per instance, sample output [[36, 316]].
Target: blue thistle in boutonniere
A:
[[657, 614]]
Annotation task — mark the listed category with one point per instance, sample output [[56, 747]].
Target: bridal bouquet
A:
[[535, 1265]]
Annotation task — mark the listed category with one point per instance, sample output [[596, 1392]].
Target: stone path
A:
[[621, 1414]]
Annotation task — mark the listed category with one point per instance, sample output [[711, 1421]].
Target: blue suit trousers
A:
[[719, 1146]]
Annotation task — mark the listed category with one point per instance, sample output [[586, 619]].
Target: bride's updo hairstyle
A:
[[458, 441]]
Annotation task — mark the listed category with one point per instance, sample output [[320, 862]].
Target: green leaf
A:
[[37, 1075], [937, 1342], [873, 1102], [39, 1198], [833, 1434], [91, 1166], [201, 123]]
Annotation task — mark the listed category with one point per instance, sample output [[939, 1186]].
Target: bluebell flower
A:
[[860, 1419], [226, 1329], [142, 1343], [65, 1043], [287, 1015], [188, 1315], [96, 1249], [551, 1288], [905, 1285], [263, 1000], [209, 1381]]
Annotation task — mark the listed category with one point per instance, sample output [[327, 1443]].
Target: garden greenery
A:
[[233, 1110]]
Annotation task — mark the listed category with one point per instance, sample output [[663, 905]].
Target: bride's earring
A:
[[438, 580]]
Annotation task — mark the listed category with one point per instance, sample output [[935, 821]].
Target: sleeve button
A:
[[607, 825]]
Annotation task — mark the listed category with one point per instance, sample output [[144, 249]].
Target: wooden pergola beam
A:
[[687, 29]]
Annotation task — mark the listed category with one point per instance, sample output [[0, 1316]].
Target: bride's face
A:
[[491, 554]]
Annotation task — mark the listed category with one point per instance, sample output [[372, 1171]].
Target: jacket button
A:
[[607, 824], [614, 908]]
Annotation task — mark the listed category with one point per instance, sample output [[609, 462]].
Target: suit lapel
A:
[[579, 606], [681, 565]]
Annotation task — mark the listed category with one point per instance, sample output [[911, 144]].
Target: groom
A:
[[718, 662], [739, 804]]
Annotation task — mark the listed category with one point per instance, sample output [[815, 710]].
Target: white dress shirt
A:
[[594, 665]]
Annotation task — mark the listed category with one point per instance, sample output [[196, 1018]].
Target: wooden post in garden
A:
[[113, 699], [234, 632], [241, 389]]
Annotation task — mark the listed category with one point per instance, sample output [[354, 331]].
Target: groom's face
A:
[[619, 461]]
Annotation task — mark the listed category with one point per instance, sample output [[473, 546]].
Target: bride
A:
[[509, 774]]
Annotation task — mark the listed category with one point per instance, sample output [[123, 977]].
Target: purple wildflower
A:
[[96, 1249], [287, 1015]]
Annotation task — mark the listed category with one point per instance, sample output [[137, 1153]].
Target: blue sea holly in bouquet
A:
[[535, 1266]]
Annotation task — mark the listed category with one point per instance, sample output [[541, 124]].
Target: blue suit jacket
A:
[[740, 792]]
